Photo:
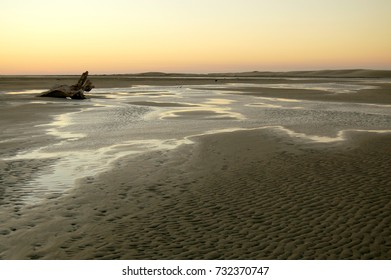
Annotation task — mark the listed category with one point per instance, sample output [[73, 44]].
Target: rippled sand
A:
[[284, 169]]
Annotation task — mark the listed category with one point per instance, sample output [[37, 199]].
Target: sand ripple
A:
[[264, 198]]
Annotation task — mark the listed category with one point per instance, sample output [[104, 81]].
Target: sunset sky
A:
[[197, 36]]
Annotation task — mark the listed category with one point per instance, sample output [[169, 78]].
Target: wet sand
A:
[[186, 172]]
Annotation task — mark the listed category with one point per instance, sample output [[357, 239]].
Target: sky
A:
[[192, 36]]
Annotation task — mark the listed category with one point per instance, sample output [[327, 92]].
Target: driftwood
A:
[[75, 91]]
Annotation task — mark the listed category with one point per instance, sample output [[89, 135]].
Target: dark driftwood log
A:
[[75, 91]]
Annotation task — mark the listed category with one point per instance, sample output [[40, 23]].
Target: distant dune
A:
[[349, 73]]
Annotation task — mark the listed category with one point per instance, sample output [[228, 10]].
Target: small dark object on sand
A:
[[74, 92]]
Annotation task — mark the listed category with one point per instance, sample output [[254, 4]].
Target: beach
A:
[[197, 167]]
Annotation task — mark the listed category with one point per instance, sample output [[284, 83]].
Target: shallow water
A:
[[332, 87], [118, 122]]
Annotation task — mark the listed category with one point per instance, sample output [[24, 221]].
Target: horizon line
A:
[[208, 73]]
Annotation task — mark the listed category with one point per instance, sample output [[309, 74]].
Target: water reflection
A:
[[219, 101], [31, 91], [332, 87], [120, 122], [202, 114]]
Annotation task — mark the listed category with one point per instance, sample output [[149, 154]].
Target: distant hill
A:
[[349, 73]]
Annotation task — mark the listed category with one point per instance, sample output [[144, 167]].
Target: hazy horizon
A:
[[129, 37], [261, 73]]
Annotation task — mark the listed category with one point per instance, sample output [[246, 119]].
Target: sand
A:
[[218, 172]]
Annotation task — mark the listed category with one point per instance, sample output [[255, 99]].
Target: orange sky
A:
[[120, 36]]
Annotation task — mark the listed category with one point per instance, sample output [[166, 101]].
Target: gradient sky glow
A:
[[131, 36]]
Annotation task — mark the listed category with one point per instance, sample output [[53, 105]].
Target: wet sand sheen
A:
[[229, 201], [234, 177], [162, 104]]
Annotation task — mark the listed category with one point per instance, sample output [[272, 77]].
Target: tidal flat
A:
[[203, 167]]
